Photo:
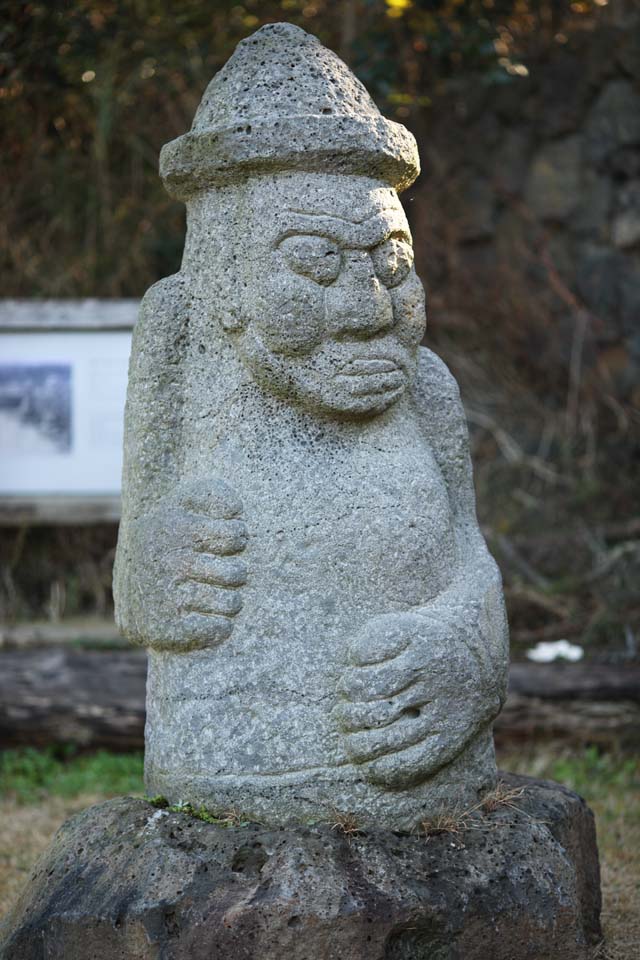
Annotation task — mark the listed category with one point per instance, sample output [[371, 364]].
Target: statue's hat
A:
[[285, 102]]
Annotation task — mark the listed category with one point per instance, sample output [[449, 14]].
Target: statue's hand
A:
[[184, 570], [413, 698]]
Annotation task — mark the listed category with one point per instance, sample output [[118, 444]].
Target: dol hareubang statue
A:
[[299, 549]]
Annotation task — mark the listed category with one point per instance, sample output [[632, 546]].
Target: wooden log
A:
[[579, 703], [575, 681], [89, 698], [607, 723], [96, 699]]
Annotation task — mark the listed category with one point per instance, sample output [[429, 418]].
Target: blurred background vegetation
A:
[[526, 221]]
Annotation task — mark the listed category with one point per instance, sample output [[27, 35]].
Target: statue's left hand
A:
[[413, 698]]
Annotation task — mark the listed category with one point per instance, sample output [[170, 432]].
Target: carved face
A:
[[333, 309]]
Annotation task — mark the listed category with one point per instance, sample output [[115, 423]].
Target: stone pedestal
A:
[[517, 879]]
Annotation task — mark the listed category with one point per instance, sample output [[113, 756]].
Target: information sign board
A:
[[63, 378]]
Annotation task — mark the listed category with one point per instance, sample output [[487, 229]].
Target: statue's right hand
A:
[[183, 570]]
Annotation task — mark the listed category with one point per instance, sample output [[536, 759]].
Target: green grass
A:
[[29, 775], [597, 776], [593, 773]]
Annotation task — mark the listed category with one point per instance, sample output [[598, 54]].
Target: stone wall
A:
[[539, 179]]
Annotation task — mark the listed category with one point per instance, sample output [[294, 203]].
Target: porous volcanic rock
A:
[[129, 881]]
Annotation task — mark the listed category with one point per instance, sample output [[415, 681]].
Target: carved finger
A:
[[202, 630], [220, 537], [373, 714], [380, 680], [413, 764], [382, 639], [198, 597], [371, 744], [210, 497], [218, 571]]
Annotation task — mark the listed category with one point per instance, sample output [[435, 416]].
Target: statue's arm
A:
[[475, 593], [176, 575], [153, 415], [436, 396], [421, 684]]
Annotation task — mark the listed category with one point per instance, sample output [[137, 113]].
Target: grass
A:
[[31, 776], [40, 789], [466, 818]]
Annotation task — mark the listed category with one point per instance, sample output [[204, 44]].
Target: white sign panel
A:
[[63, 381], [62, 400]]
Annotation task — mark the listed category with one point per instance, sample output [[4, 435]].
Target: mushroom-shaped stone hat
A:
[[285, 102]]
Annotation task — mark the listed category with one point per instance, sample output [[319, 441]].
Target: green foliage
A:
[[29, 775], [160, 802]]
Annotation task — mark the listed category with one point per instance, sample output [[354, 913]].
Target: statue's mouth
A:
[[372, 375], [367, 367]]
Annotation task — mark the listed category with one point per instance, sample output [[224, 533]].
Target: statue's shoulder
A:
[[165, 299], [158, 337], [158, 334], [436, 388]]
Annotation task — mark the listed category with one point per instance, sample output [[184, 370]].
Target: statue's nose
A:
[[357, 304]]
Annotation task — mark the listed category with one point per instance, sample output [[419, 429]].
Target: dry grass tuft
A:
[[501, 796], [346, 824], [452, 823], [231, 818], [459, 821]]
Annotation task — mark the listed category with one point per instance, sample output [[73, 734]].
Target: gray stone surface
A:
[[626, 225], [614, 120], [553, 187], [124, 880], [299, 548]]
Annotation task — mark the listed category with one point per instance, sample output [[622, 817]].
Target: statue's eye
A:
[[392, 261], [315, 257]]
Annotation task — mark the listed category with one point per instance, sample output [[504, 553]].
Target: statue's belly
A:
[[326, 553], [342, 559]]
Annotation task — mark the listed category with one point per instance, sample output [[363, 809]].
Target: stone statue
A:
[[299, 549]]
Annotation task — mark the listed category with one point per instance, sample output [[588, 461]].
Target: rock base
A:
[[516, 879]]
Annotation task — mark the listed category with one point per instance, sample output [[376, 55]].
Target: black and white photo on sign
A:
[[35, 408]]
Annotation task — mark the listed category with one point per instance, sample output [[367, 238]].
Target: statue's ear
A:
[[228, 307], [230, 318]]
